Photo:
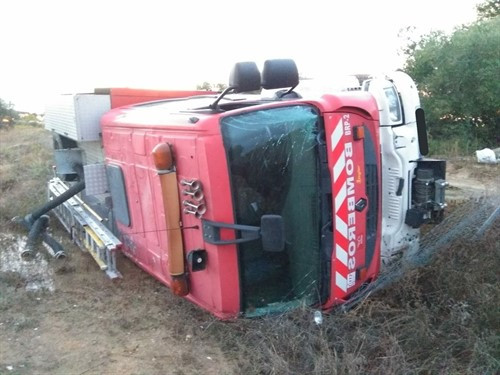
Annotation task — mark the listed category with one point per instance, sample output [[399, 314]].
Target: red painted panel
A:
[[347, 165], [127, 96], [199, 154]]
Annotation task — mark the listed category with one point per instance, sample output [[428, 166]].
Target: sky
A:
[[51, 46]]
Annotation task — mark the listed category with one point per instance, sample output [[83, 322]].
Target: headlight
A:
[[394, 104]]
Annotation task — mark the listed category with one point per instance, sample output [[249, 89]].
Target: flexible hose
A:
[[75, 189]]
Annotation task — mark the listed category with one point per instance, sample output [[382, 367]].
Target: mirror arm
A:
[[215, 105], [211, 232]]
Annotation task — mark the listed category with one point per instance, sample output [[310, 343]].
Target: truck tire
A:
[[61, 142]]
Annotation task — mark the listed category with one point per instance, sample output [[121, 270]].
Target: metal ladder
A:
[[86, 229]]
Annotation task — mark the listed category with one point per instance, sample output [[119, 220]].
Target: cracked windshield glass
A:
[[274, 169]]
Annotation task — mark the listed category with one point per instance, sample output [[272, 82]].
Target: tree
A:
[[31, 119], [7, 110], [457, 76], [220, 87], [207, 86], [7, 114], [489, 9]]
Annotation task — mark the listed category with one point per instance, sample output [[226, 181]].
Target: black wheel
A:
[[61, 142]]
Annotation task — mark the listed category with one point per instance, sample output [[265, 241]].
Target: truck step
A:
[[86, 230]]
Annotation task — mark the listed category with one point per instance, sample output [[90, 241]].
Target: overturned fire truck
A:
[[246, 204]]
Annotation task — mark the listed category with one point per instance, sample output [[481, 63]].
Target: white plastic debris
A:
[[10, 368], [318, 317], [486, 155]]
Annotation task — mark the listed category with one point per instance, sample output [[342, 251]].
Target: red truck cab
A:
[[278, 201]]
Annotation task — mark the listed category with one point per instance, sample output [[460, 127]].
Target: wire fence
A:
[[469, 221]]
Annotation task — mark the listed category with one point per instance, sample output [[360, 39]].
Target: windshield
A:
[[274, 169]]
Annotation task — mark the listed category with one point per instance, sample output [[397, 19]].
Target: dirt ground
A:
[[67, 317], [467, 178]]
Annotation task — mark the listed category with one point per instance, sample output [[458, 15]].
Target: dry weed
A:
[[25, 165], [439, 319]]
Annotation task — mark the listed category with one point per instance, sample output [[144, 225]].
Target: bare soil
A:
[[469, 179], [67, 317]]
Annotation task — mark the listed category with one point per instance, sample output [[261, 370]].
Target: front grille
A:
[[371, 181], [372, 194]]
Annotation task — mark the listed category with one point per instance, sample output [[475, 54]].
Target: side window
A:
[[118, 194]]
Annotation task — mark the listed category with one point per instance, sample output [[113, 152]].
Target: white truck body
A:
[[397, 99]]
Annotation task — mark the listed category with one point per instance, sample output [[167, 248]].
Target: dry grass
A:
[[25, 164], [439, 319], [453, 146]]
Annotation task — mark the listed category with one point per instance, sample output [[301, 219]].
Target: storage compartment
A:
[[77, 116]]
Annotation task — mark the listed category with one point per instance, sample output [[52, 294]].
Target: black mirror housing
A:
[[272, 232], [245, 77], [279, 73]]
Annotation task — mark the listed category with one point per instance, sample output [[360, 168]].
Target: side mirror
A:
[[280, 73], [272, 232], [244, 77]]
